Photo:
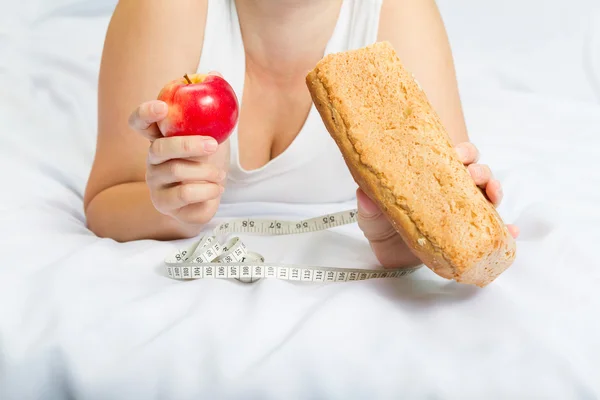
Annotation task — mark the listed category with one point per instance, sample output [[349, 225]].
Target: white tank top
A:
[[311, 169]]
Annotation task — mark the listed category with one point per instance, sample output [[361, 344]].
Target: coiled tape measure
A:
[[209, 258]]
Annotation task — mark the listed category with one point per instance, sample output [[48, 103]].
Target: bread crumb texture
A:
[[399, 139]]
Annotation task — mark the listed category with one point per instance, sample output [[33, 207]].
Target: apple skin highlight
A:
[[208, 106]]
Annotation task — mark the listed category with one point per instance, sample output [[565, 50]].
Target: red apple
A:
[[199, 104]]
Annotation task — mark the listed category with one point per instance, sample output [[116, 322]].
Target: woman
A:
[[145, 186]]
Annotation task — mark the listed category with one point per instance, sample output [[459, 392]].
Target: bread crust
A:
[[367, 99]]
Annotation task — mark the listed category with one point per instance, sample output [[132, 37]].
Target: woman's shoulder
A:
[[416, 30], [411, 23], [163, 18], [158, 34]]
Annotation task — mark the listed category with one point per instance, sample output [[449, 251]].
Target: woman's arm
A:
[[416, 30], [148, 43]]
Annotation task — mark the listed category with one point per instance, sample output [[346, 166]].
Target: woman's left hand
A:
[[388, 246]]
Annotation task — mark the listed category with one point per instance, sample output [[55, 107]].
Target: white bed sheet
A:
[[86, 318]]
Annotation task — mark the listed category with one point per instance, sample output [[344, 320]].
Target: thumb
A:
[[366, 207], [374, 224]]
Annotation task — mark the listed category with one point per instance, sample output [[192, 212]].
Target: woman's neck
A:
[[285, 38]]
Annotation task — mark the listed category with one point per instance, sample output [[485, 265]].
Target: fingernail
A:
[[158, 108], [222, 189], [210, 145], [222, 175]]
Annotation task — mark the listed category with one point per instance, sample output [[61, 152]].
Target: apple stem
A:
[[187, 78]]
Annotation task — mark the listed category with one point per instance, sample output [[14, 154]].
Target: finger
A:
[[171, 198], [197, 214], [387, 244], [493, 190], [374, 224], [514, 230], [168, 148], [185, 171], [143, 119], [217, 73], [480, 173], [467, 153]]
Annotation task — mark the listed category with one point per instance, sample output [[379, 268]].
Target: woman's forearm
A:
[[125, 212], [416, 30]]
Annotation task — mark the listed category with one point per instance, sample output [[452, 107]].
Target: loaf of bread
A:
[[400, 154]]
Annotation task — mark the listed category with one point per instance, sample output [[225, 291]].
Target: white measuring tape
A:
[[208, 258]]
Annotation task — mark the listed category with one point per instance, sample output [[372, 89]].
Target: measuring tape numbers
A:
[[210, 258]]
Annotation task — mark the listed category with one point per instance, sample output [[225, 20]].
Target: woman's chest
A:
[[271, 118], [282, 151]]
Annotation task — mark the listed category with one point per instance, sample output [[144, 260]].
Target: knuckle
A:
[[210, 191], [475, 170], [216, 190], [481, 171], [187, 144], [486, 170], [377, 233], [144, 112], [469, 151], [185, 194], [213, 173], [175, 171], [156, 149]]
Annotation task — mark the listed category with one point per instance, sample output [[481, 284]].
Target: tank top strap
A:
[[223, 48], [358, 25]]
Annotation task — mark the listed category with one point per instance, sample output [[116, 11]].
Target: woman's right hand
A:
[[184, 179]]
